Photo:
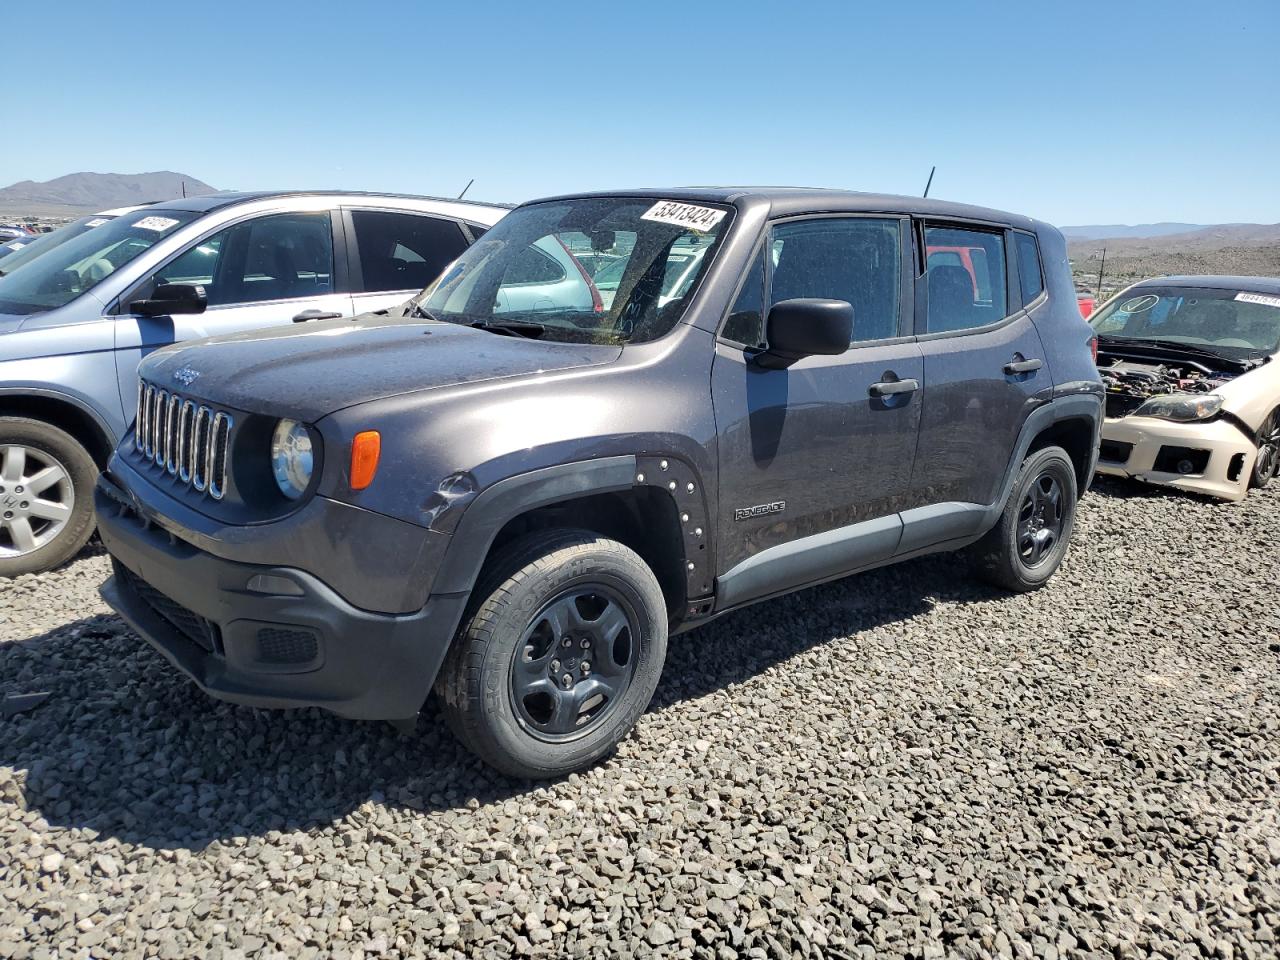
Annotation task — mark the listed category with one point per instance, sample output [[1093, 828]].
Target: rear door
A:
[[817, 447], [265, 270], [394, 254], [983, 361]]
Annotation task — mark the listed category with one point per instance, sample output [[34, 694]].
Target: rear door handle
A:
[[887, 388], [1022, 366], [306, 315]]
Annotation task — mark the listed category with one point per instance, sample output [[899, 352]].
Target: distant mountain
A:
[[1110, 231], [80, 193], [1248, 249]]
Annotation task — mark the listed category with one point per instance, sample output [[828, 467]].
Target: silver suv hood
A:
[[309, 372]]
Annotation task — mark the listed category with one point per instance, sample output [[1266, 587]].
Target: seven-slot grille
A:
[[187, 439]]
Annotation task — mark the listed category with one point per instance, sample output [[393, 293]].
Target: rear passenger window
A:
[[404, 251], [965, 276], [856, 260], [1030, 274], [746, 320]]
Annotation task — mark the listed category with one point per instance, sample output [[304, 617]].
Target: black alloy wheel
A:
[[574, 662], [1040, 518], [1267, 464]]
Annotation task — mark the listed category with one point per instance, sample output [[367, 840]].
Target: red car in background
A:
[[964, 257]]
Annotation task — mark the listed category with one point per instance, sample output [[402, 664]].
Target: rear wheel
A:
[[1025, 548], [1267, 464], [46, 504], [559, 656]]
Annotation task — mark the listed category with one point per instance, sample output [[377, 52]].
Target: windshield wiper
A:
[[512, 328], [416, 309]]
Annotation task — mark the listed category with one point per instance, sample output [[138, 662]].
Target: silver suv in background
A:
[[75, 323]]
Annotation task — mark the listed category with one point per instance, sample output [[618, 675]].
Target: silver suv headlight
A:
[[1182, 407], [291, 458]]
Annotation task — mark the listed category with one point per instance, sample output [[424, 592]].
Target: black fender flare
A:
[[1082, 406], [505, 500], [497, 505]]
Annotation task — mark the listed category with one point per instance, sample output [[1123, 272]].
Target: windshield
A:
[[9, 247], [599, 270], [81, 262], [54, 238], [1233, 323]]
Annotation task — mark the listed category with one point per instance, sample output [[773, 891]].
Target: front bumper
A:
[[268, 636], [1149, 449]]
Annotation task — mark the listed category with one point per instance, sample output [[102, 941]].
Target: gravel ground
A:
[[899, 764]]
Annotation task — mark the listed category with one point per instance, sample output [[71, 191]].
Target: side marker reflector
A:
[[365, 450]]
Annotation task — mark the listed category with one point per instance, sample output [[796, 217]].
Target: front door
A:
[[269, 270], [815, 459]]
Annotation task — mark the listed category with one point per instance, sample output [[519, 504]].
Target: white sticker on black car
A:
[[158, 224], [1261, 298], [688, 215]]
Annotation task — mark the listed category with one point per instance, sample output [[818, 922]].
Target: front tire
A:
[[1267, 464], [1026, 546], [46, 496], [559, 655]]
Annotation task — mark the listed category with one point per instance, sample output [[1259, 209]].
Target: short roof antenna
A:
[[927, 185], [466, 188]]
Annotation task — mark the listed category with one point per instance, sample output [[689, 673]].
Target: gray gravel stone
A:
[[903, 763]]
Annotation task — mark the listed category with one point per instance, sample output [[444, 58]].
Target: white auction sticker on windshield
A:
[[1261, 298], [97, 221], [159, 224], [688, 215], [16, 246]]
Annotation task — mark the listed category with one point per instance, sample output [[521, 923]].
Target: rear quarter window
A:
[[1030, 271]]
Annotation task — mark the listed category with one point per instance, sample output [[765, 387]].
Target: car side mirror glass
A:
[[805, 327], [171, 298]]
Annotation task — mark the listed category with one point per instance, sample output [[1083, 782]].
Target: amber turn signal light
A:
[[365, 450]]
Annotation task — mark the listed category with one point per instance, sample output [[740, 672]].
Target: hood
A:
[[309, 372]]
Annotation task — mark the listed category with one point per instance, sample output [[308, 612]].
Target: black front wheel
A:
[[1026, 546], [559, 656]]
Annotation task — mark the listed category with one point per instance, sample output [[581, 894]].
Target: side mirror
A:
[[804, 327], [171, 298]]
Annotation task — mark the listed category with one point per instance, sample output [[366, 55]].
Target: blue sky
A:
[[1074, 112]]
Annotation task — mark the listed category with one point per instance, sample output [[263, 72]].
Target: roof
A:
[[216, 201], [1270, 285], [788, 201]]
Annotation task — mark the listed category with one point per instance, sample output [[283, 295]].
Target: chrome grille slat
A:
[[171, 434], [200, 442], [189, 441], [147, 410], [218, 437], [139, 428], [185, 419]]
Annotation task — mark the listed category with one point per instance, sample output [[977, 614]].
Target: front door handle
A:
[[306, 315], [887, 388], [1022, 366]]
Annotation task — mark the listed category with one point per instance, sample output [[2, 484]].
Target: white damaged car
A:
[[1193, 383]]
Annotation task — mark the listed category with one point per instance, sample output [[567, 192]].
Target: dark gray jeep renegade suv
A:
[[612, 418]]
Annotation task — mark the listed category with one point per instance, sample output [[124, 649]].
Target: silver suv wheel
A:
[[37, 499]]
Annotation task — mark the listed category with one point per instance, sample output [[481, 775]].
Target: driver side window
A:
[[197, 265], [277, 257]]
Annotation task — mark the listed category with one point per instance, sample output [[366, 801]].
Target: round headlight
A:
[[291, 458]]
